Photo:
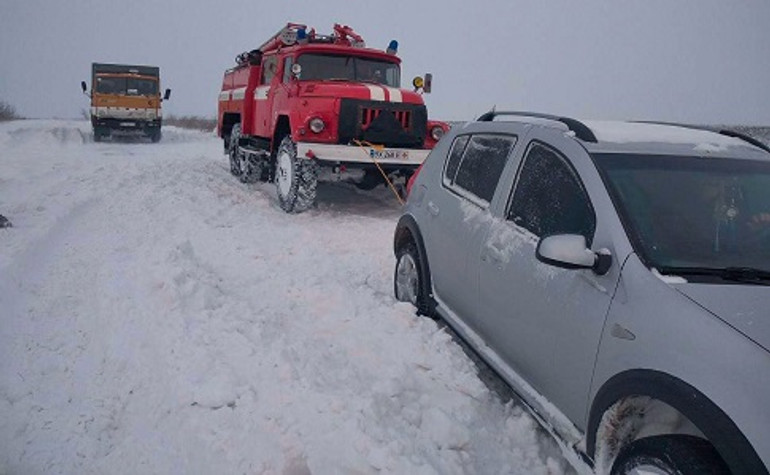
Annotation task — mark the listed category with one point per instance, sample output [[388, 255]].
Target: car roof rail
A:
[[582, 131], [745, 138], [725, 132]]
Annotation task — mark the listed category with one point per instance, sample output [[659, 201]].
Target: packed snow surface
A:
[[158, 316]]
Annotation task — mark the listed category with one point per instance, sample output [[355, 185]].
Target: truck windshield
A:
[[328, 67], [126, 86], [693, 212]]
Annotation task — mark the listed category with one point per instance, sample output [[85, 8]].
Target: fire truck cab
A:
[[304, 108]]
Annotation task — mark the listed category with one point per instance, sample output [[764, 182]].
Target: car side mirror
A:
[[83, 86], [569, 251], [167, 95]]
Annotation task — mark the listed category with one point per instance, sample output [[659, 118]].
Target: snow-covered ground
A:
[[158, 316]]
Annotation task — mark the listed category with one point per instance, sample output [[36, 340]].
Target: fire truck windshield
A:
[[126, 86], [328, 67]]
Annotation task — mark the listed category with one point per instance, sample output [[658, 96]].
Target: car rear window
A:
[[475, 164]]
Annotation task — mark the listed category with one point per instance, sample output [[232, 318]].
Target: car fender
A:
[[407, 225], [716, 426]]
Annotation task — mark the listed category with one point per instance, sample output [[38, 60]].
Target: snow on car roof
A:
[[637, 132]]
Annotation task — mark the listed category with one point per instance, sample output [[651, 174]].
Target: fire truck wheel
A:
[[232, 152], [296, 179]]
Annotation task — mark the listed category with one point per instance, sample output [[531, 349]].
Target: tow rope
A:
[[363, 144]]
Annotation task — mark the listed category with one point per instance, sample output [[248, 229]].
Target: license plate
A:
[[127, 124], [389, 154]]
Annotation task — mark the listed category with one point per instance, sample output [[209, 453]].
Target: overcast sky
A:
[[698, 61]]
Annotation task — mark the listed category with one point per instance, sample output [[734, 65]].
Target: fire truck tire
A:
[[296, 179], [232, 152]]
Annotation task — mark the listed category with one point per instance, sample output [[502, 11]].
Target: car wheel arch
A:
[[407, 230], [715, 424]]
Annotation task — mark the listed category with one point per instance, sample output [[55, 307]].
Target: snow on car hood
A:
[[742, 306]]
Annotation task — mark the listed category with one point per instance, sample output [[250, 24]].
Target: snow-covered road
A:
[[158, 316]]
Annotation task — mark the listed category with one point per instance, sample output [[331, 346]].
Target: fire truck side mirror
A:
[[167, 95], [83, 86], [428, 80]]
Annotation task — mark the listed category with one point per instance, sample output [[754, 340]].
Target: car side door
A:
[[459, 215], [545, 322]]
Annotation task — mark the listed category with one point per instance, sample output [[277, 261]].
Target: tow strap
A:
[[363, 144]]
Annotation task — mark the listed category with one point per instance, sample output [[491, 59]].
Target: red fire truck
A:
[[305, 107]]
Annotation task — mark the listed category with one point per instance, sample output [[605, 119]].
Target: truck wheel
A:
[[669, 454], [296, 179], [155, 136], [232, 152], [98, 134]]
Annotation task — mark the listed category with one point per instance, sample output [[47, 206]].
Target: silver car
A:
[[615, 275]]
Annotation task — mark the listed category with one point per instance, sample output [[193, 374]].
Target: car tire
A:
[[669, 454], [232, 151], [410, 280], [296, 179]]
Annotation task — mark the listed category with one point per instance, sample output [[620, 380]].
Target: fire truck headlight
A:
[[437, 132], [317, 125]]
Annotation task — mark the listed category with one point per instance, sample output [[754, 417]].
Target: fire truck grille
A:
[[368, 115], [384, 123]]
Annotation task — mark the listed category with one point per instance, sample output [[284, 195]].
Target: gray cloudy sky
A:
[[700, 61]]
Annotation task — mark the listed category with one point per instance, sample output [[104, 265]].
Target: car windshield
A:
[[328, 67], [126, 86], [693, 212]]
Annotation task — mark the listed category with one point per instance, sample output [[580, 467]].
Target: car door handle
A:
[[433, 208]]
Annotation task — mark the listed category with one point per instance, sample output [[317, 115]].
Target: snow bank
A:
[[158, 316]]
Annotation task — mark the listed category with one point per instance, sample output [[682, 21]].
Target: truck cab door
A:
[[264, 95], [284, 87]]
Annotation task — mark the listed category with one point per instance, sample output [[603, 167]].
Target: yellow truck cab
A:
[[125, 100]]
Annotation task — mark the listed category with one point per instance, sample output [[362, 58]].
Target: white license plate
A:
[[389, 154], [127, 124]]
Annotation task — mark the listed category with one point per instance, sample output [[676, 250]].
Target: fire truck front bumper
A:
[[363, 155]]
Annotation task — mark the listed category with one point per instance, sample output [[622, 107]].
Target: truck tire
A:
[[155, 136], [296, 179], [232, 152]]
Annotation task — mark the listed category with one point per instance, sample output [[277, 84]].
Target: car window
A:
[[550, 198], [475, 164], [458, 147], [684, 211]]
